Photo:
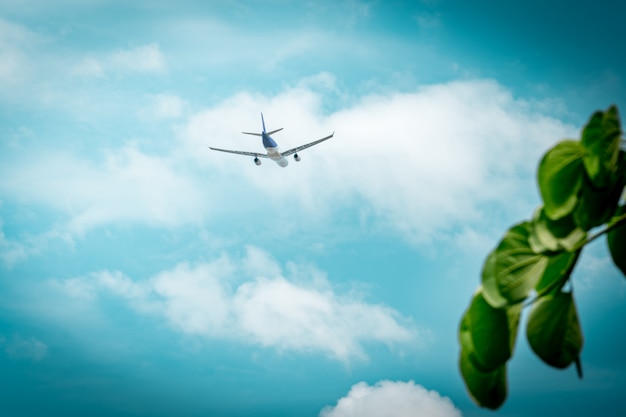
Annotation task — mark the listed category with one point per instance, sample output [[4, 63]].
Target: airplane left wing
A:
[[256, 155], [308, 145]]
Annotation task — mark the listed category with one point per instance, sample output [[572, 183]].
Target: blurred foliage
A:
[[581, 182]]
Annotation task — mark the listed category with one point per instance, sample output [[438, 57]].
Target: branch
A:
[[614, 223]]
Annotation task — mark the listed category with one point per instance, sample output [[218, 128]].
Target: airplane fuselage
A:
[[273, 151]]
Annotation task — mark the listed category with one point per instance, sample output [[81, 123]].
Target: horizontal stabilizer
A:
[[274, 131], [260, 134]]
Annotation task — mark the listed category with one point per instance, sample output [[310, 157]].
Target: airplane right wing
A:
[[308, 145], [256, 155]]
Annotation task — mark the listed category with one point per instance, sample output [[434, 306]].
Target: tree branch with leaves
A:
[[581, 182]]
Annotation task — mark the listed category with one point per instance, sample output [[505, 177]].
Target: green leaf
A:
[[616, 239], [560, 177], [487, 336], [597, 205], [548, 235], [553, 329], [513, 314], [560, 267], [512, 269], [489, 333], [490, 288], [487, 388], [601, 139]]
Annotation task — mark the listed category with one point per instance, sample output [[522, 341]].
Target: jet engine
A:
[[257, 161], [296, 157]]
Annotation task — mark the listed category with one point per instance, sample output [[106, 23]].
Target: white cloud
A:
[[14, 250], [167, 106], [90, 68], [419, 164], [276, 312], [11, 251], [388, 398], [424, 162], [146, 58], [16, 43], [20, 348], [267, 310], [232, 46], [128, 186], [142, 59], [196, 300]]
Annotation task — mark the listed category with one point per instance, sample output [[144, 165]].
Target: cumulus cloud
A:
[[220, 299], [388, 398], [276, 312], [128, 185], [420, 164], [20, 348]]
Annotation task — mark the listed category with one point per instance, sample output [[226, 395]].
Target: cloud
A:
[[146, 58], [168, 106], [16, 45], [222, 300], [11, 251], [89, 68], [14, 250], [388, 398], [418, 164], [422, 163], [276, 312], [595, 269], [19, 348], [43, 70], [141, 59], [128, 186]]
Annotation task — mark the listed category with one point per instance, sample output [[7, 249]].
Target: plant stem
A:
[[614, 223]]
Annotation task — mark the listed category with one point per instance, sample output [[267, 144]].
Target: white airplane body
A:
[[273, 151]]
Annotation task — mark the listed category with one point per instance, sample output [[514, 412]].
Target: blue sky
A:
[[144, 275]]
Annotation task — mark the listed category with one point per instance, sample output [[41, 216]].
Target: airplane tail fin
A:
[[261, 134]]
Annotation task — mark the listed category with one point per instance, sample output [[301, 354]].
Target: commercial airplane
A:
[[273, 151]]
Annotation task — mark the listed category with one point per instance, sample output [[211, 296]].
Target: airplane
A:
[[273, 151]]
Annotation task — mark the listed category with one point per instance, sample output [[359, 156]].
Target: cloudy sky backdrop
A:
[[142, 274]]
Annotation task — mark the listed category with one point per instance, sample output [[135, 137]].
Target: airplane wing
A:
[[259, 155], [308, 145]]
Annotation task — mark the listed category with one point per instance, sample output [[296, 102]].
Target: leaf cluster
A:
[[581, 182]]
